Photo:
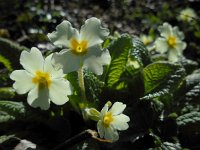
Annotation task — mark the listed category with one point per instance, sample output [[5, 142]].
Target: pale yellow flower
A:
[[40, 80]]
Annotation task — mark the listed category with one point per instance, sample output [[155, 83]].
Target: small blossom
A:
[[40, 79], [187, 15], [170, 42], [78, 47], [147, 40], [112, 120]]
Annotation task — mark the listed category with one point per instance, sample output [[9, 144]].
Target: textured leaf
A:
[[189, 122], [4, 138], [7, 93], [119, 50], [193, 87], [162, 78], [189, 65], [11, 51], [72, 77], [93, 86], [5, 62], [10, 110], [140, 52], [171, 146]]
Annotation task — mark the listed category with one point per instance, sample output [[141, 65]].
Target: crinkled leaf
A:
[[171, 146], [11, 110], [72, 77], [5, 62], [189, 65], [119, 50], [189, 122], [4, 138], [140, 52], [161, 78], [193, 87], [93, 86], [6, 93], [11, 51]]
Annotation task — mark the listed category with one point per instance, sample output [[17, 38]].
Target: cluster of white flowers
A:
[[170, 42], [43, 78]]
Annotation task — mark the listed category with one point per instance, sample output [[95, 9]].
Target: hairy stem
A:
[[81, 82]]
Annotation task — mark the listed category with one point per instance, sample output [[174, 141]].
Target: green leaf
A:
[[11, 51], [162, 78], [7, 93], [171, 146], [72, 77], [11, 110], [189, 123], [119, 50], [193, 87], [93, 87], [140, 52], [5, 62], [4, 138], [189, 65]]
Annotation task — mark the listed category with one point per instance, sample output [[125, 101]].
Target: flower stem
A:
[[81, 82]]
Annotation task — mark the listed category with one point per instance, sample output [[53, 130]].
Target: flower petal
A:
[[39, 98], [48, 67], [173, 55], [104, 110], [178, 33], [58, 91], [165, 30], [100, 129], [23, 81], [67, 61], [32, 61], [95, 64], [111, 134], [120, 122], [180, 46], [32, 95], [161, 45], [64, 32], [117, 108], [92, 32]]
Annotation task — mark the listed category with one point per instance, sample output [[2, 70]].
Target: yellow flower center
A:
[[171, 41], [79, 48], [107, 119], [42, 79]]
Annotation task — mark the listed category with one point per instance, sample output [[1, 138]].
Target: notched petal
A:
[[64, 32]]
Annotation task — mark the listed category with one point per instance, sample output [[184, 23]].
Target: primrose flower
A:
[[187, 15], [147, 40], [78, 47], [40, 79], [170, 42], [112, 120]]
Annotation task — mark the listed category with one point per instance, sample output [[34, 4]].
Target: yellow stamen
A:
[[42, 79], [171, 41], [79, 48], [107, 119]]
